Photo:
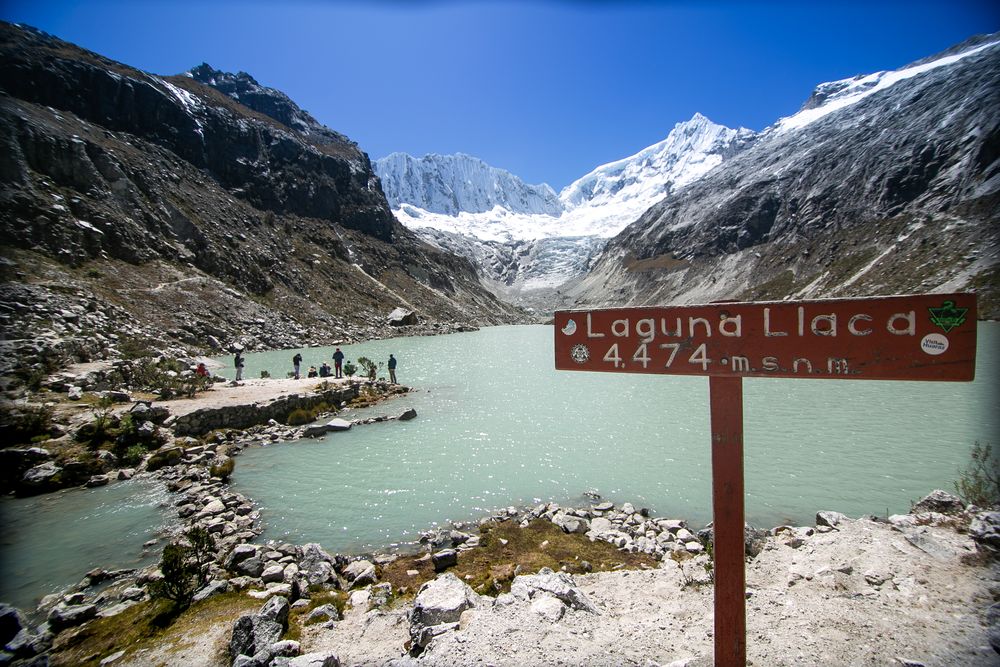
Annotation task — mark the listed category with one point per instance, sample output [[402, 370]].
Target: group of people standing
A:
[[324, 370]]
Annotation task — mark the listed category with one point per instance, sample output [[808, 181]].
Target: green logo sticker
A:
[[947, 316]]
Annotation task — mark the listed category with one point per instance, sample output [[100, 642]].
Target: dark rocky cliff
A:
[[200, 212], [896, 193]]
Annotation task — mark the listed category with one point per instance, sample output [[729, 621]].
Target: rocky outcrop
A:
[[437, 609], [185, 216]]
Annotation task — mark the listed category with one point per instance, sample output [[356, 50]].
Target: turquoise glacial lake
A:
[[498, 426]]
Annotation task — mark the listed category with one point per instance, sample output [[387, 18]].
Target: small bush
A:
[[300, 416], [183, 567], [350, 369], [133, 455], [979, 483]]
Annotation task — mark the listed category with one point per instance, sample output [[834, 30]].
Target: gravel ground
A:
[[818, 604]]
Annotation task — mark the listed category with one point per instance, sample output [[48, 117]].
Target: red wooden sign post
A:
[[930, 337]]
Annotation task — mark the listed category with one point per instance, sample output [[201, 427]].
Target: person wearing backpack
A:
[[392, 369], [296, 362], [338, 363], [239, 361]]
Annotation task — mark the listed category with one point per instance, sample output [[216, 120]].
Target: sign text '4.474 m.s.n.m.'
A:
[[926, 337]]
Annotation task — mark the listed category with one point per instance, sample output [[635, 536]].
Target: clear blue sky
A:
[[547, 90]]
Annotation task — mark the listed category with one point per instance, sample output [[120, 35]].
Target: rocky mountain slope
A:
[[881, 184], [525, 240], [193, 211]]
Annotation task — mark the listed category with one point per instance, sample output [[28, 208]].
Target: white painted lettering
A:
[[666, 332], [852, 325], [590, 330], [692, 321], [795, 365], [613, 356], [735, 328], [619, 328], [911, 324], [802, 321], [836, 366], [641, 355], [770, 363], [700, 356], [740, 365], [831, 328], [646, 330], [767, 325], [673, 347]]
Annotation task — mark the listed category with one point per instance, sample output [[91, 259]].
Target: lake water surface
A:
[[498, 426]]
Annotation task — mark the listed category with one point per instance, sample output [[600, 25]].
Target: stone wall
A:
[[244, 416]]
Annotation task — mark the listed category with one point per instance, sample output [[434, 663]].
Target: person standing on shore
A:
[[338, 364], [239, 361], [392, 369], [296, 362]]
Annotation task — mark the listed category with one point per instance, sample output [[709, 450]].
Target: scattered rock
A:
[[941, 502]]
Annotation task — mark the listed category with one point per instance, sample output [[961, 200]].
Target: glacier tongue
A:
[[525, 237]]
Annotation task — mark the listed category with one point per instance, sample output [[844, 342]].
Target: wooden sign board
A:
[[927, 337]]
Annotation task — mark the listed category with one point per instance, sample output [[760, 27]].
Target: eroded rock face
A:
[[939, 501]]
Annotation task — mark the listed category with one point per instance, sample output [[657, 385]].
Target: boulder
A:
[[12, 621], [407, 415], [401, 317], [273, 574], [570, 524], [75, 393], [240, 553], [557, 584], [600, 525], [985, 530], [66, 616], [41, 477], [167, 456], [252, 567], [548, 607], [439, 602], [326, 612], [316, 564], [603, 507], [939, 501], [326, 659], [338, 424], [255, 633], [444, 559], [830, 519], [360, 573]]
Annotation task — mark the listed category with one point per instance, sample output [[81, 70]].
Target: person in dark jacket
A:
[[239, 361], [296, 362], [392, 369], [338, 363]]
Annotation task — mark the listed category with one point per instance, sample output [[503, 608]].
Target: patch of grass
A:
[[143, 627], [298, 617], [489, 569]]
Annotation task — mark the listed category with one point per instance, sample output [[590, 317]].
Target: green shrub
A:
[[183, 567], [300, 416], [369, 367], [350, 369], [979, 483], [133, 455]]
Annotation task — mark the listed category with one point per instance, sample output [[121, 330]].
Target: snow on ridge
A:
[[853, 90], [190, 102]]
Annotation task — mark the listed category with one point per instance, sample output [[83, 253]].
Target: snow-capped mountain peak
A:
[[453, 184]]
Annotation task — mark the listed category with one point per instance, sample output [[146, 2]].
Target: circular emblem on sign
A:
[[580, 354], [570, 328], [934, 344]]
